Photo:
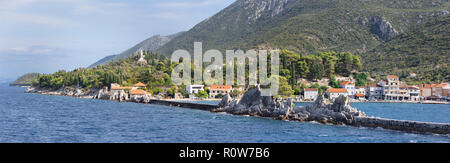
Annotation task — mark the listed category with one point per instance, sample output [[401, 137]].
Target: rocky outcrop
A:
[[103, 94], [66, 91], [119, 96], [252, 103], [257, 8], [383, 28], [337, 112]]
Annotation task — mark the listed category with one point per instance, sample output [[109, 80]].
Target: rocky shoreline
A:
[[253, 104], [338, 112]]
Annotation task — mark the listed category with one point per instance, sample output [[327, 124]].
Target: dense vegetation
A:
[[26, 79], [315, 67], [125, 71], [424, 51]]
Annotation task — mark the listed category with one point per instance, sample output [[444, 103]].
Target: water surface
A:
[[40, 118]]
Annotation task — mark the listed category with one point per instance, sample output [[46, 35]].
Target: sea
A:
[[35, 118]]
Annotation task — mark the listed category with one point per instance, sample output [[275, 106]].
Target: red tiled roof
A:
[[140, 85], [311, 89], [413, 87], [441, 85], [360, 95], [220, 87], [392, 77], [138, 92], [337, 90], [121, 88], [346, 83]]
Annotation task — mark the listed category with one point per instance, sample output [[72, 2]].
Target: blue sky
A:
[[49, 35]]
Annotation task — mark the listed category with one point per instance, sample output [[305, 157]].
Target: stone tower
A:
[[142, 60]]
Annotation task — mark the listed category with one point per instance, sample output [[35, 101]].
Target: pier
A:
[[196, 106]]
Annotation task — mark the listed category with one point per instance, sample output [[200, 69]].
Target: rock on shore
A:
[[103, 94], [252, 103]]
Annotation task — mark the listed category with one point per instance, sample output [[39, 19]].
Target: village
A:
[[390, 89]]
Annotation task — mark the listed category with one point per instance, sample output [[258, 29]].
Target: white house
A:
[[350, 86], [360, 93], [215, 90], [334, 93], [391, 88], [414, 93], [374, 92], [311, 93], [193, 89]]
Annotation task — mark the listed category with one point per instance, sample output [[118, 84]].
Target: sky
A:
[[45, 36]]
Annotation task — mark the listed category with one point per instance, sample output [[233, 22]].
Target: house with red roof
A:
[[334, 93], [310, 94], [216, 90], [350, 87]]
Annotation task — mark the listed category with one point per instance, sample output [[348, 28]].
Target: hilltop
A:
[[149, 44], [308, 26]]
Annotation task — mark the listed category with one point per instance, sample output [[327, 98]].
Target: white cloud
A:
[[37, 50], [14, 17], [88, 10], [12, 4]]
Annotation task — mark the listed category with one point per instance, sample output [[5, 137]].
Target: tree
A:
[[302, 68], [202, 94], [361, 79], [335, 84], [316, 68], [285, 89]]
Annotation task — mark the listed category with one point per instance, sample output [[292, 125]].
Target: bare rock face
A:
[[226, 100], [103, 94], [252, 103], [383, 28], [256, 8]]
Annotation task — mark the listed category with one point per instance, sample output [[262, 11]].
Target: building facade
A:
[[310, 94], [391, 88], [334, 93], [350, 86], [414, 93], [193, 89], [425, 90], [374, 92], [216, 90]]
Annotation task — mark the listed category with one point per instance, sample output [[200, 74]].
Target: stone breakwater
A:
[[338, 112]]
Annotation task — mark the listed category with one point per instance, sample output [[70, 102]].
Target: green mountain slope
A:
[[150, 44], [308, 26], [26, 79], [424, 51]]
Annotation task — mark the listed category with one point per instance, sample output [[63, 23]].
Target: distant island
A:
[[25, 80]]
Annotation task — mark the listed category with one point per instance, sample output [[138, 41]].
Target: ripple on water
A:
[[39, 118]]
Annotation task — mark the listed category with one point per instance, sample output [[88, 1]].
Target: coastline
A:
[[322, 111]]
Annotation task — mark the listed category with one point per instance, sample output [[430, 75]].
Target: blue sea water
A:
[[39, 118]]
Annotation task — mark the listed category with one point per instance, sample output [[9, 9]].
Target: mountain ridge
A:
[[307, 26], [149, 44]]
